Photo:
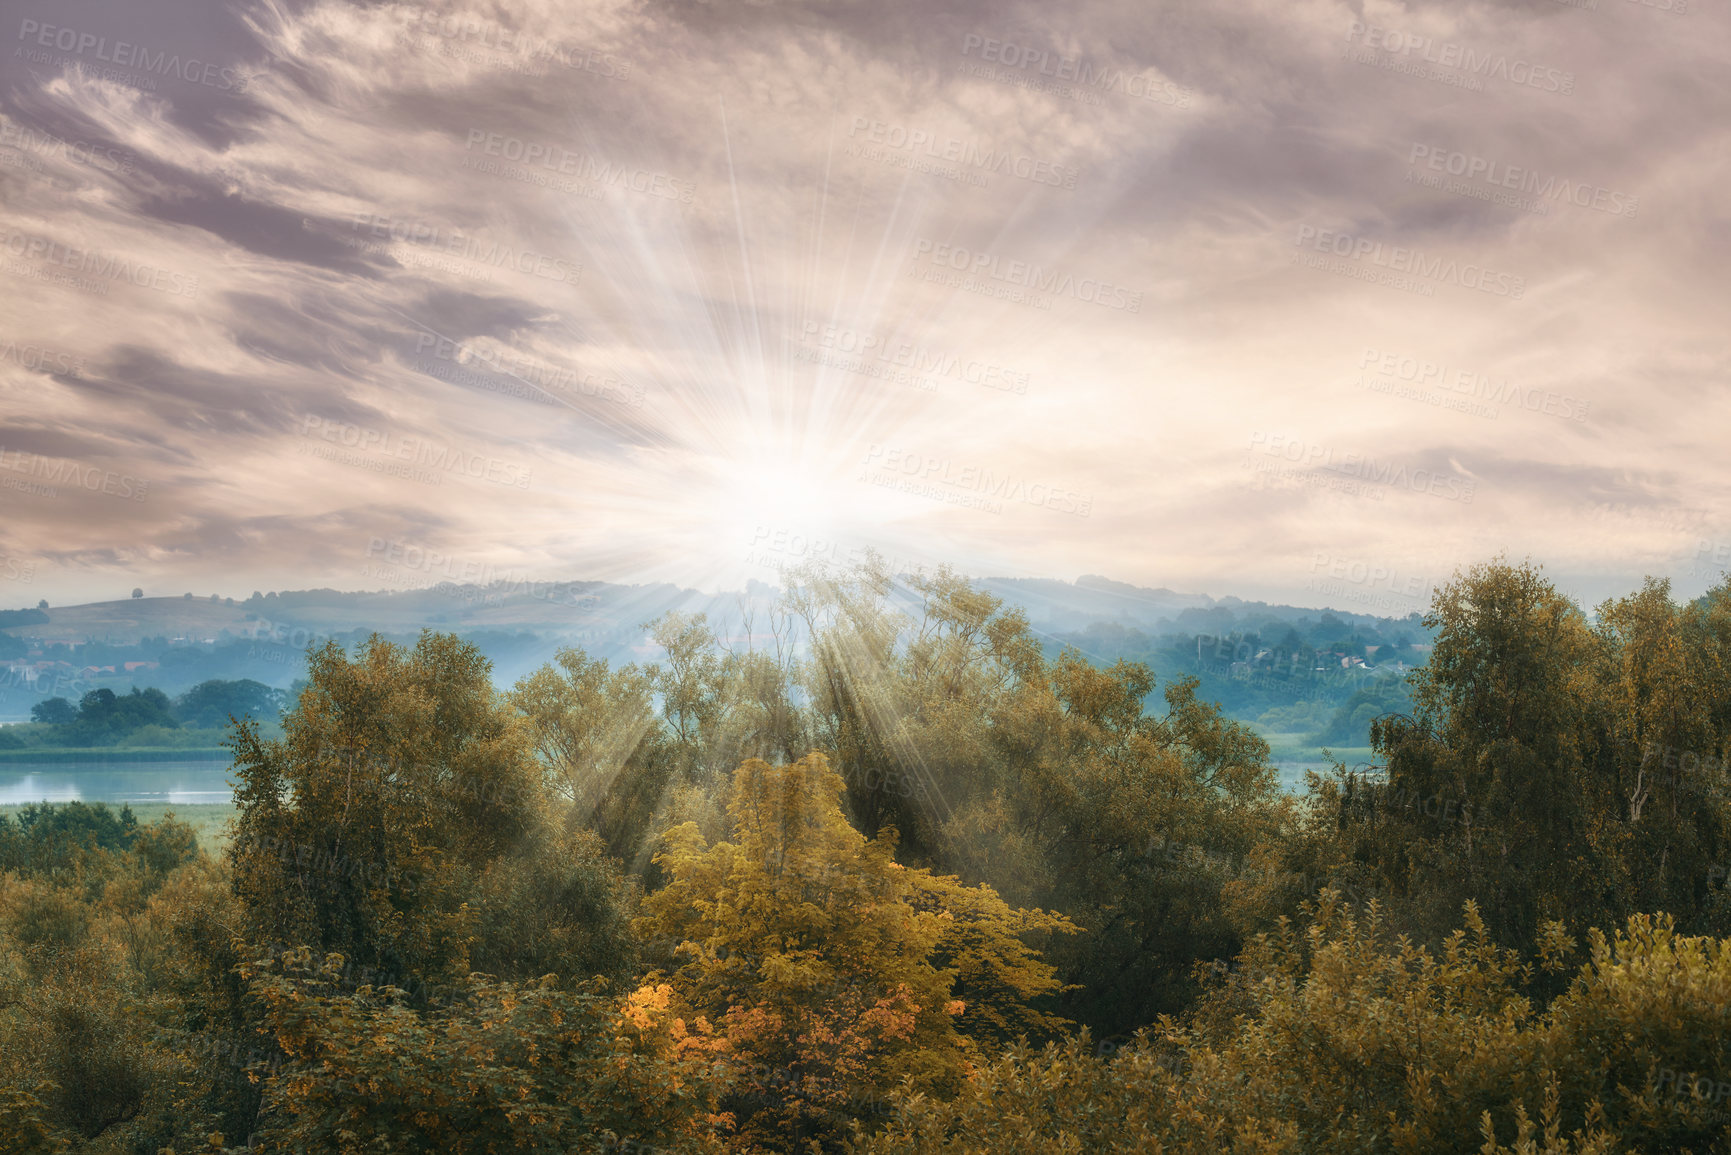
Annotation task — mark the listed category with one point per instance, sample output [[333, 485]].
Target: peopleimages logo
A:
[[1448, 54], [104, 265], [132, 56], [35, 142], [1404, 260], [559, 159], [1527, 180], [935, 475], [918, 359], [74, 475], [545, 378], [486, 34], [1024, 274], [965, 152], [452, 242], [418, 451], [1141, 85], [1436, 374], [474, 581], [41, 360], [1450, 487]]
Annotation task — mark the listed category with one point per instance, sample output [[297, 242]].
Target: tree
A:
[[1046, 777], [88, 979], [627, 771], [1335, 1034], [860, 709], [137, 593], [400, 809], [52, 839], [833, 972], [53, 712], [719, 707], [103, 717], [1662, 709], [22, 1118], [1552, 769], [503, 1067], [596, 733], [1153, 831], [211, 704]]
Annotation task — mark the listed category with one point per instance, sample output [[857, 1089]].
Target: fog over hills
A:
[[174, 643], [614, 614]]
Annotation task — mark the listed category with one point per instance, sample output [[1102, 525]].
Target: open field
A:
[[1289, 748]]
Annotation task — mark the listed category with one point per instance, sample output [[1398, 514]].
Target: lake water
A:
[[168, 783], [186, 783]]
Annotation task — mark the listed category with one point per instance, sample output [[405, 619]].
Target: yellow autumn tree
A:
[[834, 973]]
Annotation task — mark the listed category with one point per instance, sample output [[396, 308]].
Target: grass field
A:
[[1293, 751]]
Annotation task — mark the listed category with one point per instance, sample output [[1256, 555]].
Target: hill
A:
[[1253, 657]]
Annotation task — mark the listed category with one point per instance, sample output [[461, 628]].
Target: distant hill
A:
[[1063, 607], [175, 643], [603, 612], [567, 608]]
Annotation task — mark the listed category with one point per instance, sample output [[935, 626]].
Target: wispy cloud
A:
[[696, 272]]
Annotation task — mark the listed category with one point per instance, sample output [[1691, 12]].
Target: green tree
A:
[[721, 706], [53, 712], [1553, 769], [1664, 716], [1046, 777], [402, 795], [57, 839], [210, 704], [104, 717], [601, 746]]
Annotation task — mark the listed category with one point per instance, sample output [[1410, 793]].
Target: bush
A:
[[49, 838], [500, 1067], [1344, 1038]]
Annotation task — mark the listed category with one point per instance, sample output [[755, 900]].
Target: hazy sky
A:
[[1299, 299]]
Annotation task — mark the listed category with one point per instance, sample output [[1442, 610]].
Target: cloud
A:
[[691, 271]]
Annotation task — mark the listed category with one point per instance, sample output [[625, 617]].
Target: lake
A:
[[168, 783], [203, 782]]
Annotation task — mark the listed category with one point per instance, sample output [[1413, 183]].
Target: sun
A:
[[761, 515], [772, 502]]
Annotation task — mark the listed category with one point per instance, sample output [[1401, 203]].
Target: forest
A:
[[890, 882], [145, 717]]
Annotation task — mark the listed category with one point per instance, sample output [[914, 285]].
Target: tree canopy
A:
[[886, 873]]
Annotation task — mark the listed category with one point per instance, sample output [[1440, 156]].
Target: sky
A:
[[1288, 299]]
